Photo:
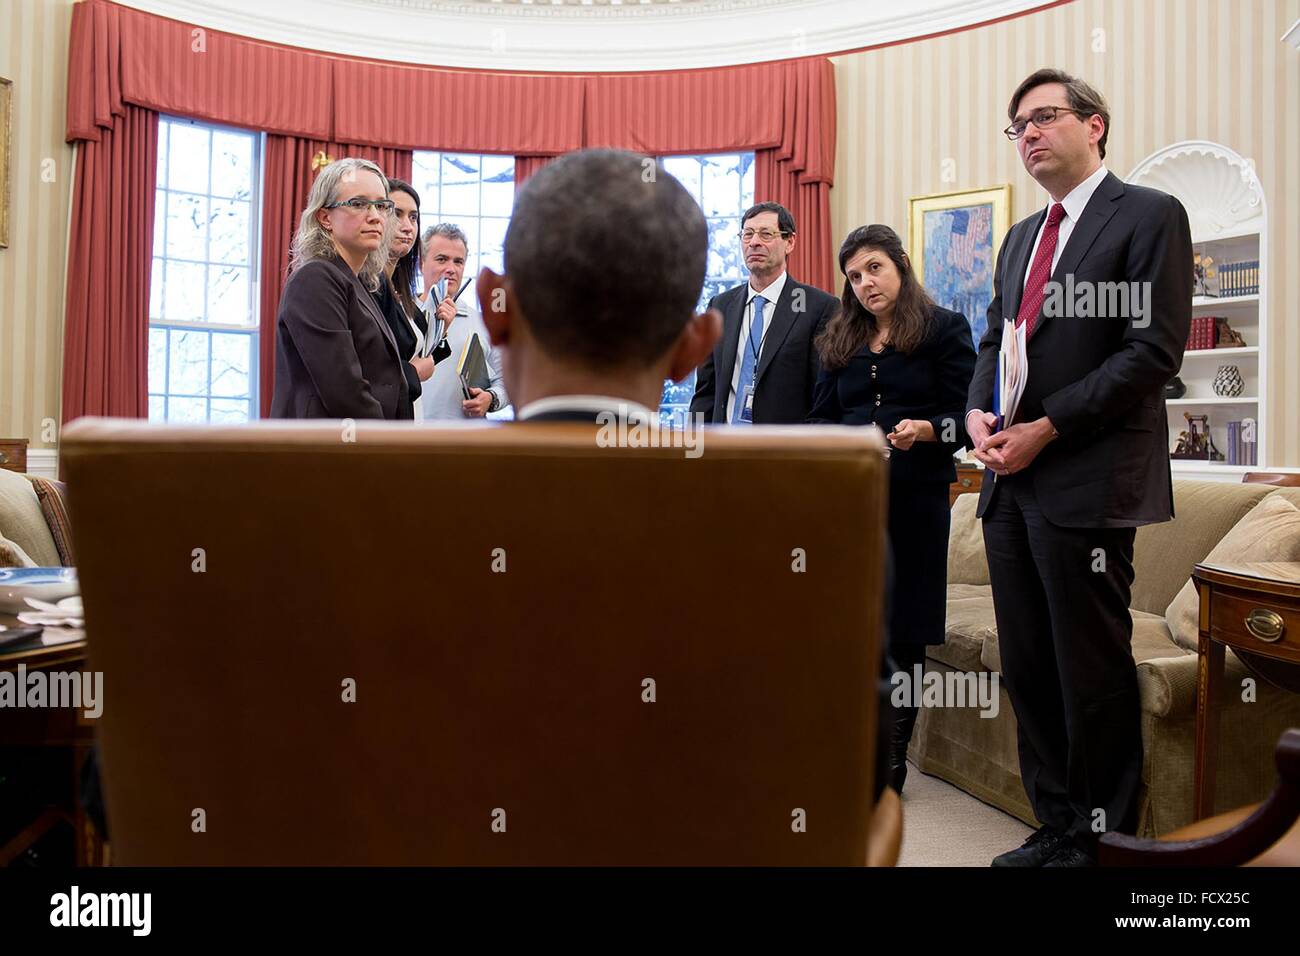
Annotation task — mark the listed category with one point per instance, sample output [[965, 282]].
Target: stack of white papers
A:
[[1013, 374]]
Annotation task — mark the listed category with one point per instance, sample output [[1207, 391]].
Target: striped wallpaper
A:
[[34, 54], [1171, 70]]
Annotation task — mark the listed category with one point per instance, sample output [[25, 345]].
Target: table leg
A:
[[1209, 679]]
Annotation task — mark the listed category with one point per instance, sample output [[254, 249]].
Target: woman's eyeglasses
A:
[[357, 204]]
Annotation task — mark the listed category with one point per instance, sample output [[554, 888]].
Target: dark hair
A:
[[408, 267], [852, 325], [784, 221], [1079, 94], [606, 253]]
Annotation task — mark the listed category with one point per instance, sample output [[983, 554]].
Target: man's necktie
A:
[[749, 363], [1036, 285]]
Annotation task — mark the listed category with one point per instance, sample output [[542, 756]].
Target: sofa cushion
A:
[[53, 496], [22, 522], [1269, 532], [966, 561], [1164, 554], [970, 622], [1151, 640]]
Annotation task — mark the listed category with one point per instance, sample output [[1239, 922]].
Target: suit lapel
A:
[[780, 324], [368, 303], [726, 362], [1101, 206], [1013, 284]]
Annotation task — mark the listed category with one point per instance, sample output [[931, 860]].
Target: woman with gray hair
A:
[[335, 356]]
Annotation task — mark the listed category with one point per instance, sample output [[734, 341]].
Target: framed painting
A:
[[953, 241], [6, 106]]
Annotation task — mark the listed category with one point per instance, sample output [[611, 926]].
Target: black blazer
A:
[[335, 356], [787, 369], [1100, 380], [929, 384], [391, 309]]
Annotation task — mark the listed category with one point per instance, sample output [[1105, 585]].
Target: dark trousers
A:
[[1061, 599]]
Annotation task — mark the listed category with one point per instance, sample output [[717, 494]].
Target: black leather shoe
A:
[[1042, 845], [1070, 855]]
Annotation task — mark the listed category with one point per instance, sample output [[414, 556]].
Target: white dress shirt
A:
[[441, 394], [1074, 202], [771, 293], [636, 412]]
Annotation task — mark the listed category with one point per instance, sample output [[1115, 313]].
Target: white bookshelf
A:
[[1229, 221]]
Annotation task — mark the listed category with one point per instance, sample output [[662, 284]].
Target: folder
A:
[[472, 366]]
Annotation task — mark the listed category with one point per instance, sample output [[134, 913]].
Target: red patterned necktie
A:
[[1036, 285]]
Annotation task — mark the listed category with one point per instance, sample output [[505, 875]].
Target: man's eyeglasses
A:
[[357, 204], [1042, 117], [767, 235]]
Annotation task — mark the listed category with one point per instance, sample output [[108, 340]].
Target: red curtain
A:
[[106, 329], [288, 175], [526, 166]]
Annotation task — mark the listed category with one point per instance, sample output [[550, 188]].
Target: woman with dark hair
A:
[[892, 358], [396, 292]]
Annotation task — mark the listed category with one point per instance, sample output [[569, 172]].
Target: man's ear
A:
[[695, 343], [496, 305]]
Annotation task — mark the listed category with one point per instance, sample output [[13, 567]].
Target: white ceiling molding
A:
[[585, 35]]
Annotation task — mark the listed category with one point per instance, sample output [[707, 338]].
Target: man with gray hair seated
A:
[[444, 249]]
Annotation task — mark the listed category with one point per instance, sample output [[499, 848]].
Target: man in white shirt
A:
[[444, 249]]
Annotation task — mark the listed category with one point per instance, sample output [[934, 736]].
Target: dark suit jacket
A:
[[335, 356], [391, 309], [788, 367], [1100, 380], [929, 384]]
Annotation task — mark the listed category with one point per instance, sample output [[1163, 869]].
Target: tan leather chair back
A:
[[561, 653]]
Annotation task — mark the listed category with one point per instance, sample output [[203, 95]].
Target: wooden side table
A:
[[970, 479], [1248, 607], [13, 454]]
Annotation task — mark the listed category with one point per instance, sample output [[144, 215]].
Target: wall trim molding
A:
[[585, 39], [43, 462]]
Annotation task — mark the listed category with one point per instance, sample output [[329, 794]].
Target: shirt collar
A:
[[771, 292], [1077, 199], [636, 412]]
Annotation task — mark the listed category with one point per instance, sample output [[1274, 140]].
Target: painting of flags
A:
[[954, 240]]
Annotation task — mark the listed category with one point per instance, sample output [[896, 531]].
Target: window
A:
[[723, 185], [476, 192], [202, 298]]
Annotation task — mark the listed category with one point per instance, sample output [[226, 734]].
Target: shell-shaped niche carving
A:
[[1217, 186]]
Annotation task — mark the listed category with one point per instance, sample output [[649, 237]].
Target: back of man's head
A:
[[605, 255]]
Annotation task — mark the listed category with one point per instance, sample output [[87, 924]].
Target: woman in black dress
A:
[[892, 358]]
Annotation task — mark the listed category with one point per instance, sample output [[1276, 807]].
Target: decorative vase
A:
[[1228, 382]]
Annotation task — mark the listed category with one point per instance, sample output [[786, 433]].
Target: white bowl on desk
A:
[[44, 584]]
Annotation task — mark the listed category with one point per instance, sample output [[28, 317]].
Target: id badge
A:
[[747, 409]]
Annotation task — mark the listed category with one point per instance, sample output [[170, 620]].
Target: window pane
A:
[[230, 231], [184, 288], [188, 362], [724, 248], [163, 127], [228, 295], [187, 226], [460, 176], [228, 411], [686, 170], [187, 159], [498, 185], [492, 240], [747, 183], [157, 408], [231, 361], [721, 192], [187, 410], [157, 360], [155, 289], [232, 165]]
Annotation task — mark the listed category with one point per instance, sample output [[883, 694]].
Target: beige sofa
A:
[[978, 754]]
